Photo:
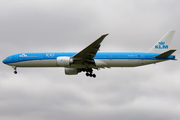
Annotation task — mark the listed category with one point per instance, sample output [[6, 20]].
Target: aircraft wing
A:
[[88, 53]]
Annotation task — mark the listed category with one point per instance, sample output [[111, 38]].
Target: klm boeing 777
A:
[[89, 58]]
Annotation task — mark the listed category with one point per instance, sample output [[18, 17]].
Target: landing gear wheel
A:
[[91, 75], [15, 72], [87, 74]]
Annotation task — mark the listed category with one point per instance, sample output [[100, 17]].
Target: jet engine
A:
[[72, 71], [64, 61]]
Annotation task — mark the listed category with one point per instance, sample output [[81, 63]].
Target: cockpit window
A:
[[7, 57]]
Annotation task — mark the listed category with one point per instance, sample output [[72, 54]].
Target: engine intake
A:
[[64, 61]]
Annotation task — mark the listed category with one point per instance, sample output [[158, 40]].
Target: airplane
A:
[[89, 58]]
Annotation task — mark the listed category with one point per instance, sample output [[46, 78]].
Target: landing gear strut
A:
[[15, 72], [89, 72]]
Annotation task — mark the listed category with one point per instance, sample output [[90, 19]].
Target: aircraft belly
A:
[[123, 62], [146, 62], [117, 62]]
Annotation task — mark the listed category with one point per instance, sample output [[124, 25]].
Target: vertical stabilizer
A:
[[163, 44]]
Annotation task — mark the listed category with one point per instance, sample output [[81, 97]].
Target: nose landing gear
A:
[[15, 72]]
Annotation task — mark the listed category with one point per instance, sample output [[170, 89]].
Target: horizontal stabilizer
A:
[[165, 54]]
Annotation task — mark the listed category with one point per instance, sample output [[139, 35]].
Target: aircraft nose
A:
[[5, 61]]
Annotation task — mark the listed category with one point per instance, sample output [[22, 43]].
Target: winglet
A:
[[105, 34]]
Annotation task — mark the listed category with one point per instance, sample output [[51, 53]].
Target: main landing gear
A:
[[89, 72], [15, 72]]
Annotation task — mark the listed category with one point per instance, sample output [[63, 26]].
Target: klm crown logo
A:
[[161, 45]]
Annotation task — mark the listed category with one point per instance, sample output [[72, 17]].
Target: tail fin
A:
[[163, 44]]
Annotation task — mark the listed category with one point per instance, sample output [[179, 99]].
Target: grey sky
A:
[[147, 92]]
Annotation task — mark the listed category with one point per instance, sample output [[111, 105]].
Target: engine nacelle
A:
[[64, 61], [72, 71]]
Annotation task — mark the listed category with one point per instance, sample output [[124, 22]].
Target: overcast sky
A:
[[149, 92]]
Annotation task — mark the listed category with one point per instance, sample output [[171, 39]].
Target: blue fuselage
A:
[[102, 59]]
